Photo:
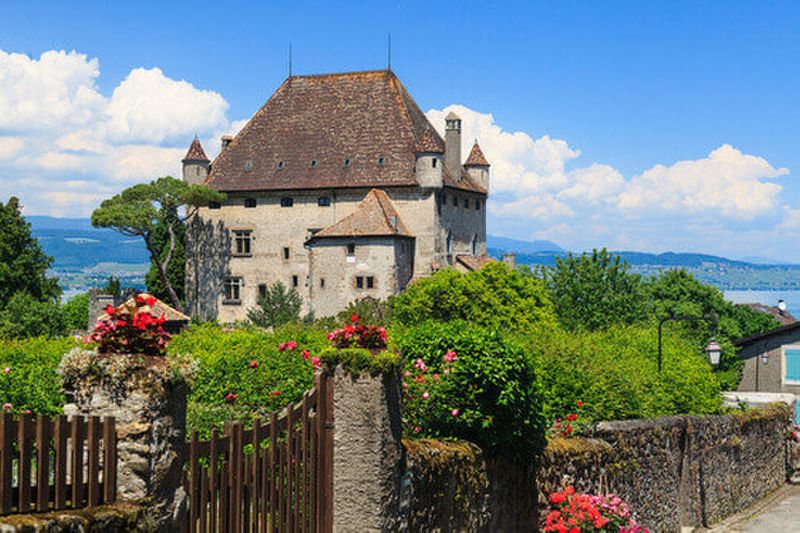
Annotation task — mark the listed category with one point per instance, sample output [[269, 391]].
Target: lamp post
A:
[[713, 350]]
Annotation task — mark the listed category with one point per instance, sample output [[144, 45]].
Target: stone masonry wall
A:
[[675, 471]]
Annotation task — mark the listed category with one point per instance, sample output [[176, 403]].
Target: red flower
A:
[[306, 354], [579, 403], [558, 497], [354, 318], [275, 393], [230, 397], [110, 311], [572, 416], [253, 364]]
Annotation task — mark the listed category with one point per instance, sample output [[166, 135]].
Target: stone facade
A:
[[675, 471], [443, 208]]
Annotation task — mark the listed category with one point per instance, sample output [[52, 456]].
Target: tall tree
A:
[[139, 210], [593, 291], [23, 263], [278, 306], [176, 271]]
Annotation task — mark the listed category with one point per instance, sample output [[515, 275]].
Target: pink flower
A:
[[417, 429], [454, 412], [282, 347], [405, 386], [253, 364], [291, 345], [315, 362], [7, 370], [230, 397], [407, 373], [306, 354], [450, 357], [436, 376], [7, 406], [420, 364], [425, 395]]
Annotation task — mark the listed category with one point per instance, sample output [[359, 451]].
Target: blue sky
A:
[[633, 125]]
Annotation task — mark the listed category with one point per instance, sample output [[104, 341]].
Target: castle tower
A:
[[429, 160], [478, 167], [195, 165], [452, 143]]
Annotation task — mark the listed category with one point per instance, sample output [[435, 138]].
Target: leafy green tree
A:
[[113, 286], [594, 291], [677, 292], [277, 307], [23, 264], [176, 271], [26, 316], [494, 296], [76, 312], [369, 310], [137, 212]]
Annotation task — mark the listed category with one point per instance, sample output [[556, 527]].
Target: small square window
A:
[[214, 205], [233, 290], [295, 281], [313, 163], [287, 202], [321, 283], [324, 201], [351, 249], [477, 205], [286, 252], [242, 242], [347, 162], [250, 203], [359, 282], [370, 282]]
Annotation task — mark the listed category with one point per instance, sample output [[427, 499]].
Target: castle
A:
[[339, 187]]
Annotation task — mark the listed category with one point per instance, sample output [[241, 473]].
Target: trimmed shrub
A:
[[243, 374], [31, 381], [480, 387], [614, 373], [76, 312], [494, 296]]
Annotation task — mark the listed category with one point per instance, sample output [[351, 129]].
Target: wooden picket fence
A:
[[275, 477], [56, 463]]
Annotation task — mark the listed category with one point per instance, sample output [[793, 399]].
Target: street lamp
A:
[[712, 349]]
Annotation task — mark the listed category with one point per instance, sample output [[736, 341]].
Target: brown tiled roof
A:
[[160, 308], [476, 157], [784, 317], [195, 152], [374, 216], [465, 183], [474, 262], [431, 142], [359, 117]]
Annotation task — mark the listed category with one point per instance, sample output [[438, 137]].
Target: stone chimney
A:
[[510, 259], [452, 144]]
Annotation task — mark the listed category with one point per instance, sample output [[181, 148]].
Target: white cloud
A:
[[58, 125], [541, 189], [727, 182]]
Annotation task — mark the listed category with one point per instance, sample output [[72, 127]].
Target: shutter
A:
[[792, 356]]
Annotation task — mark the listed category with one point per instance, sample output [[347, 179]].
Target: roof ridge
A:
[[343, 73]]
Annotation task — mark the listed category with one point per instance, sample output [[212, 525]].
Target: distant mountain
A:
[[521, 247]]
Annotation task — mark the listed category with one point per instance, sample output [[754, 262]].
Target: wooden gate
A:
[[275, 477]]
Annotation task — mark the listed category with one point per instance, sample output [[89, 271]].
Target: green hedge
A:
[[224, 367], [32, 382], [614, 373], [489, 395]]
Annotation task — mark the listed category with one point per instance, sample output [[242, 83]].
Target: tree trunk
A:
[[162, 269]]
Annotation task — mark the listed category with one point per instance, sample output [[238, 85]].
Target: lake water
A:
[[792, 298]]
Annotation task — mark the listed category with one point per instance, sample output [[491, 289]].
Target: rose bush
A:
[[131, 328], [572, 512]]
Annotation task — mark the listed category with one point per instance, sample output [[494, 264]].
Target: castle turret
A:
[[430, 150], [478, 167], [452, 142], [195, 165]]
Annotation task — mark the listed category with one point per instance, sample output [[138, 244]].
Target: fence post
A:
[[367, 452]]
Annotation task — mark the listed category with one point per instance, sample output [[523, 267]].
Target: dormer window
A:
[[313, 163], [324, 201], [248, 165], [381, 160], [250, 203], [287, 201], [281, 165], [347, 162], [214, 205]]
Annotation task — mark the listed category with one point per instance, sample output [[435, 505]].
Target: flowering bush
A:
[[355, 334], [572, 424], [465, 381], [572, 512], [131, 328]]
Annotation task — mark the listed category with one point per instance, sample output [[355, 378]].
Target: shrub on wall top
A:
[[465, 381]]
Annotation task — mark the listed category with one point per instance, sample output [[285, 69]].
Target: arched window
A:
[[474, 245]]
